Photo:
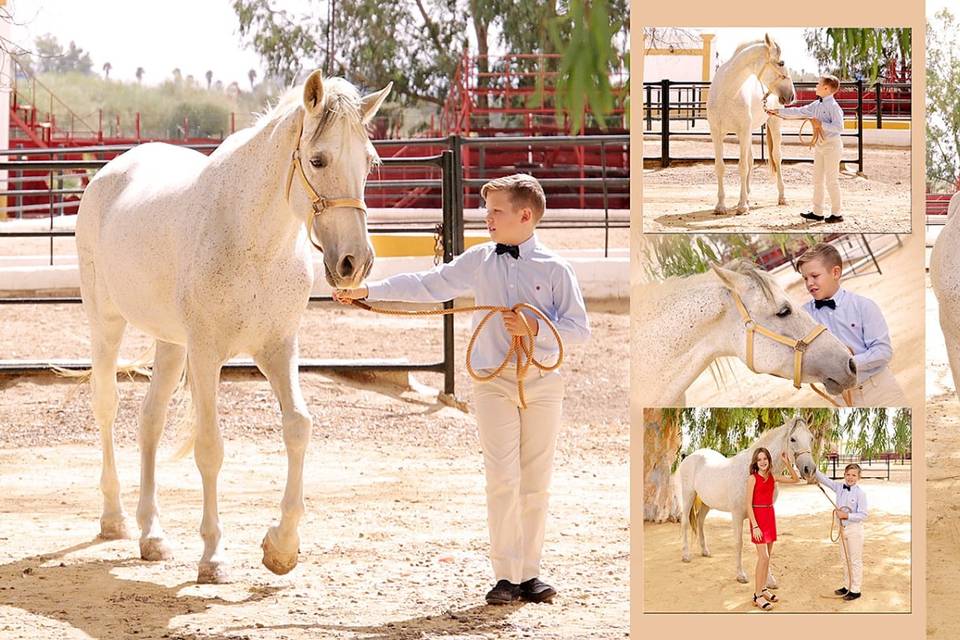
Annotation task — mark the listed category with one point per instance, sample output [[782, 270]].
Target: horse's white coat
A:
[[721, 483], [685, 324], [735, 105], [209, 256], [945, 280]]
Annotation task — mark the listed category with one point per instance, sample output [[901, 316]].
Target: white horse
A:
[[738, 94], [945, 279], [685, 324], [211, 256], [708, 480]]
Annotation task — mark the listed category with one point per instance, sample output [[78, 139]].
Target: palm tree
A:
[[209, 76], [139, 74], [252, 76], [106, 70]]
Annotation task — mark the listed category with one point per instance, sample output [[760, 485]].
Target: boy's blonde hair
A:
[[831, 81], [523, 190], [825, 253], [854, 465]]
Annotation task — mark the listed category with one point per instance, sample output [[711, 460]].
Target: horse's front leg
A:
[[278, 363], [203, 372], [775, 131], [746, 167], [738, 546]]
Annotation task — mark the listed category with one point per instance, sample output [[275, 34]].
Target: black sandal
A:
[[769, 595], [762, 602]]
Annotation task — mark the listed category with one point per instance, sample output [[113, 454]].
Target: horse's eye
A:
[[784, 312], [793, 439], [318, 162], [780, 64]]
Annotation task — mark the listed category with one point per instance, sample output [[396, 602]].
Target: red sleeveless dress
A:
[[763, 508]]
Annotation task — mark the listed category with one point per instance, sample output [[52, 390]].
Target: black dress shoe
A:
[[833, 218], [810, 215], [851, 595], [504, 592], [535, 590], [842, 591]]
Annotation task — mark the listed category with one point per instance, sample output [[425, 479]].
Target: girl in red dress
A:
[[761, 485]]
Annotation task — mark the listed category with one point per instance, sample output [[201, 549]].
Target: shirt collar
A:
[[528, 246], [829, 98]]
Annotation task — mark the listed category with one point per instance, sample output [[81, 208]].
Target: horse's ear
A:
[[372, 103], [768, 40], [728, 277], [313, 93]]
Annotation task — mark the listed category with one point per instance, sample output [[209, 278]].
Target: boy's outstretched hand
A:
[[514, 324], [345, 296]]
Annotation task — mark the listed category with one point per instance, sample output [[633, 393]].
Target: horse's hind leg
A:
[[167, 369], [278, 363], [687, 497], [738, 519], [716, 134], [106, 332], [746, 168], [701, 518]]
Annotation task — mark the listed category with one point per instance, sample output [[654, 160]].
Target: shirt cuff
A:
[[376, 290]]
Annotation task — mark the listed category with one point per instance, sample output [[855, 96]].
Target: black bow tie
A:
[[847, 487], [819, 98], [512, 249], [829, 302]]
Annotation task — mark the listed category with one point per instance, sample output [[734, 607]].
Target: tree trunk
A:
[[480, 28], [661, 442]]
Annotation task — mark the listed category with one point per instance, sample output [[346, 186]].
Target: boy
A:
[[518, 444], [826, 155], [857, 322], [852, 511]]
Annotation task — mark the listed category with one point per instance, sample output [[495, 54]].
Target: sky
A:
[[793, 48], [194, 35]]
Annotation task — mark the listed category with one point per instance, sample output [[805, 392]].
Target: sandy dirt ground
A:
[[806, 564], [393, 544], [898, 293], [943, 484], [681, 198]]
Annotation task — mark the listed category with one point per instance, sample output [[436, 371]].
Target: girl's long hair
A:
[[754, 467]]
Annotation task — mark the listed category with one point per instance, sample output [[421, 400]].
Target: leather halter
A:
[[319, 203], [799, 346]]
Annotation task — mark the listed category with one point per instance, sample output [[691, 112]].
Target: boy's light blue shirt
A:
[[859, 324], [538, 277], [827, 111], [854, 498]]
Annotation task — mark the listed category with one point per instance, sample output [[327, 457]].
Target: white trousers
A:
[[853, 532], [826, 173], [518, 447], [879, 390]]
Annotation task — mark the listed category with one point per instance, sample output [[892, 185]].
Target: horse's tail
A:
[[694, 515], [186, 426], [142, 365], [773, 164]]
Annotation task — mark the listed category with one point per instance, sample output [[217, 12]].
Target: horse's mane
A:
[[755, 273], [341, 100], [744, 45]]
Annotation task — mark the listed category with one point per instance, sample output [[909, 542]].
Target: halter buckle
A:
[[801, 346]]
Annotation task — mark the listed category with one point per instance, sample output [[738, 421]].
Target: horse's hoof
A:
[[782, 201], [213, 573], [154, 549], [742, 579], [685, 557], [742, 209], [706, 553], [772, 584], [118, 528], [719, 210], [277, 561]]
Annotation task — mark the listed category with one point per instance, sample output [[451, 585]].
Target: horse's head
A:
[[798, 445], [766, 308], [773, 73], [333, 158]]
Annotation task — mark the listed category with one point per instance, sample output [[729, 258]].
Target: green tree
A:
[[943, 96], [52, 58], [863, 53], [140, 72]]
